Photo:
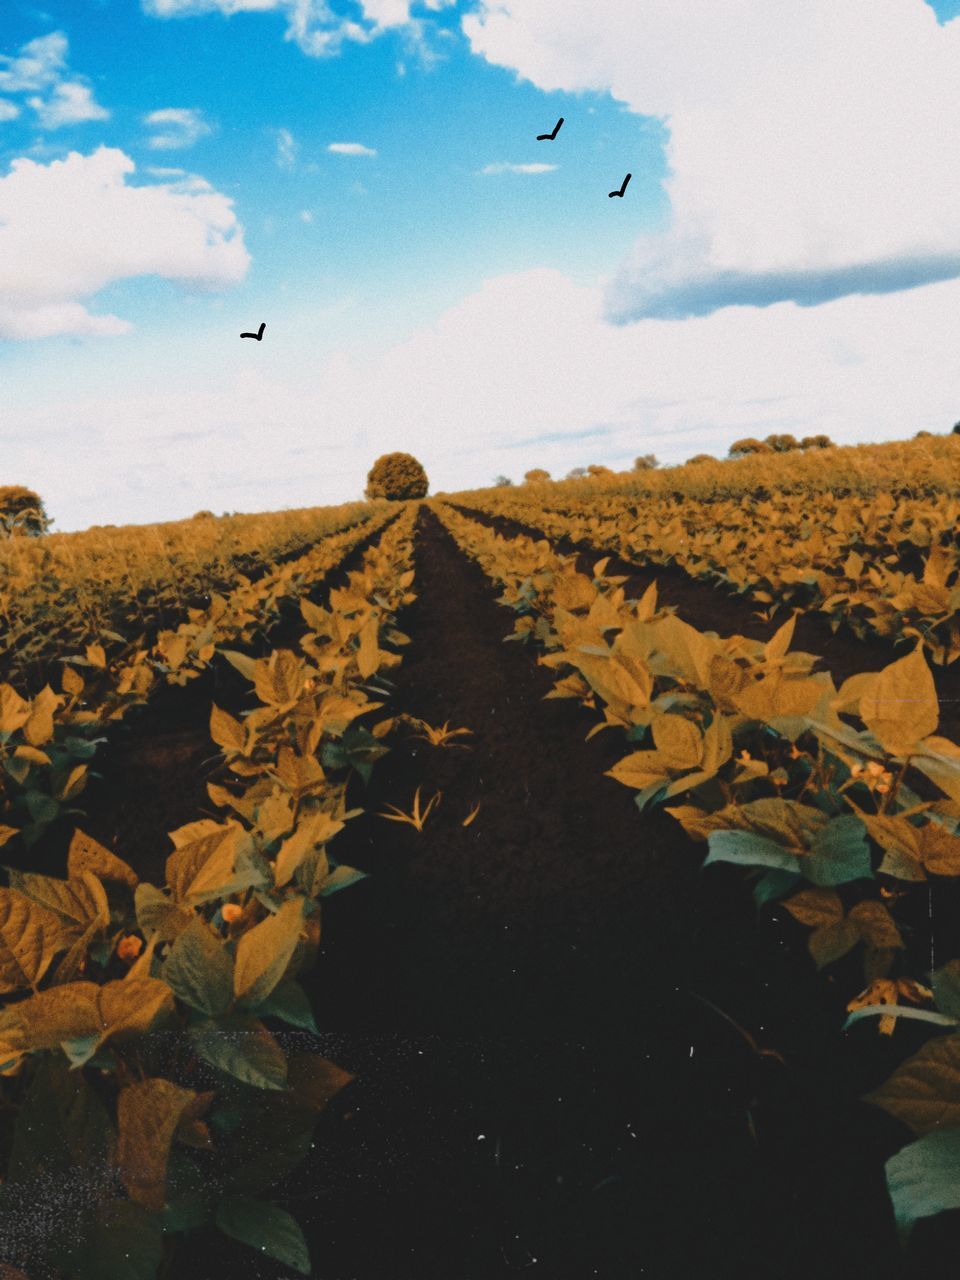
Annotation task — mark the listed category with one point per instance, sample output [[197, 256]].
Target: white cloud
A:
[[386, 13], [312, 24], [70, 103], [306, 215], [37, 65], [525, 372], [504, 167], [350, 149], [287, 148], [176, 128], [69, 228], [40, 67], [812, 144]]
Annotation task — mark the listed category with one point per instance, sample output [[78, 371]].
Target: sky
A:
[[364, 178]]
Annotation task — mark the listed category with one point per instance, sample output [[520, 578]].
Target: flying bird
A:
[[258, 335], [549, 137], [622, 188]]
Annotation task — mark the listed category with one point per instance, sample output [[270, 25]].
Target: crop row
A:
[[65, 591], [840, 804], [882, 566], [48, 742], [150, 1095]]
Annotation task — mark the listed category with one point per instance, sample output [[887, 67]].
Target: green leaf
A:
[[61, 1125], [43, 808], [242, 1047], [266, 1228], [126, 1244], [340, 878], [924, 1177], [773, 885], [899, 1011], [288, 1001], [945, 982], [748, 850], [839, 853], [199, 969]]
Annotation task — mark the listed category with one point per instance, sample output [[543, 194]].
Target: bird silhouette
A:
[[549, 137], [622, 188], [258, 335]]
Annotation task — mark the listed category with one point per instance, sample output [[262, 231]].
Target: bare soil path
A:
[[537, 1090]]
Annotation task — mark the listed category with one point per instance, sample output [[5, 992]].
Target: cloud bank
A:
[[811, 146]]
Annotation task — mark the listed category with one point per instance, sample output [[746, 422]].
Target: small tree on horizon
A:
[[646, 462], [700, 457], [816, 442], [397, 477], [596, 469], [22, 512], [502, 482], [536, 476], [576, 473], [749, 444]]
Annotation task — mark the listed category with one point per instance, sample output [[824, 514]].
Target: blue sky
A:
[[422, 286]]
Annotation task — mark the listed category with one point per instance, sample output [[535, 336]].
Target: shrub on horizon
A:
[[397, 477], [646, 462], [536, 475], [21, 512]]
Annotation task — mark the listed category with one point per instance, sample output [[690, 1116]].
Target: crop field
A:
[[556, 880]]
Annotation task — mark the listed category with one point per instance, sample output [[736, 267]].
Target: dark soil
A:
[[540, 1088]]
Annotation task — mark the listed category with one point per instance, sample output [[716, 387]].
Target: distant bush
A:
[[816, 442], [646, 462], [537, 474], [595, 469], [502, 482], [927, 435], [21, 512], [576, 473], [956, 429], [203, 515], [741, 448], [397, 476], [700, 457]]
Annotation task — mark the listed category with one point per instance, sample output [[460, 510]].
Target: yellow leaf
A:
[[225, 730], [901, 708], [14, 711], [639, 769], [311, 831], [30, 936], [87, 854], [148, 1113], [72, 681], [264, 951], [96, 655], [368, 654], [816, 907], [39, 727], [471, 815], [777, 646], [678, 741]]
